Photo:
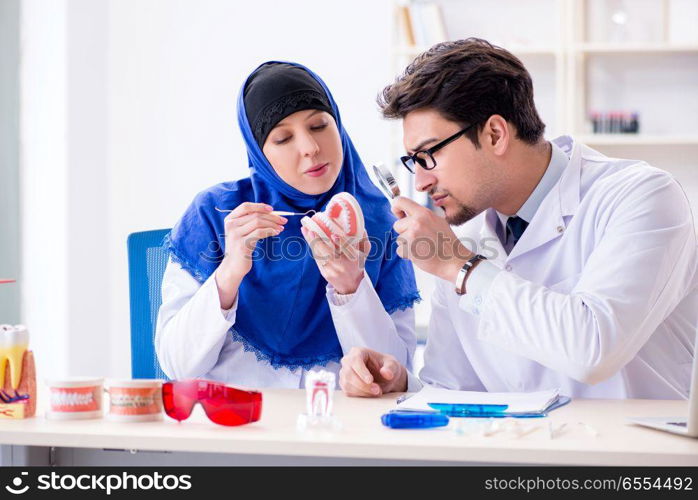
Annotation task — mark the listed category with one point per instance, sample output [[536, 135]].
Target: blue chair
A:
[[147, 259]]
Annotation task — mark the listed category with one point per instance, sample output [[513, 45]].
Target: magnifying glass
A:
[[387, 181]]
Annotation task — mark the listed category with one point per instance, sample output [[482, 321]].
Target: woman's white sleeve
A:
[[361, 321], [191, 326]]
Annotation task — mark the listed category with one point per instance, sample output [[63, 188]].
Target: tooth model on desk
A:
[[17, 373], [342, 216]]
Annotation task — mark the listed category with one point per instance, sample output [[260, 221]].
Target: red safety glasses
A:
[[223, 404]]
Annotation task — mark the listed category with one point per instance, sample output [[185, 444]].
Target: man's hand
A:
[[427, 240], [366, 373]]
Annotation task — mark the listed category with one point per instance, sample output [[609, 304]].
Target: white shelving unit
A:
[[638, 140], [563, 56], [630, 48], [583, 51], [568, 56]]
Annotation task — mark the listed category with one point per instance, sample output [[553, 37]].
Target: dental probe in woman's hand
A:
[[276, 212]]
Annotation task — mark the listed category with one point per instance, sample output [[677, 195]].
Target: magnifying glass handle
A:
[[401, 213]]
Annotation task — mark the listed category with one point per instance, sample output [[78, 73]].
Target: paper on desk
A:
[[518, 402]]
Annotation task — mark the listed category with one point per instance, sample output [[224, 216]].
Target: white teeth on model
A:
[[327, 221], [343, 221], [14, 341], [344, 214], [71, 398], [132, 401]]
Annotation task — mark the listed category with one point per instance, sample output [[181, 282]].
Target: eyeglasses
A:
[[425, 158], [223, 404]]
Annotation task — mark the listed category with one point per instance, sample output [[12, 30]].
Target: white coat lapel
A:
[[490, 246]]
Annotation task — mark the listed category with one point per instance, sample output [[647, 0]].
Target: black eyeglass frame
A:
[[422, 162]]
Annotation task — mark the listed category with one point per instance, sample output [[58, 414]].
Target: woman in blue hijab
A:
[[251, 298]]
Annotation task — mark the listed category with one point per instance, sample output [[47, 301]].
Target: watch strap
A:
[[463, 273]]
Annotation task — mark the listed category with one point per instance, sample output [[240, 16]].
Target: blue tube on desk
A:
[[483, 411], [413, 420], [470, 410]]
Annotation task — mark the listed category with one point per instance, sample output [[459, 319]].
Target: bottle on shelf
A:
[[615, 122]]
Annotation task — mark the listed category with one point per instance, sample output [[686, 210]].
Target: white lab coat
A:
[[599, 297], [192, 336]]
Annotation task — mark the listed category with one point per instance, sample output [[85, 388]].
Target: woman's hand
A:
[[244, 227], [341, 264]]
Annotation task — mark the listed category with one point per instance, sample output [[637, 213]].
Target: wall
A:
[[44, 167], [9, 159]]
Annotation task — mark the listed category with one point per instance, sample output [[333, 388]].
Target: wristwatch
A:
[[463, 273]]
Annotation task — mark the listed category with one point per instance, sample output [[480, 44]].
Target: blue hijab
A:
[[282, 314]]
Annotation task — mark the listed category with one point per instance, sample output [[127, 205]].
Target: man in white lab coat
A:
[[570, 270]]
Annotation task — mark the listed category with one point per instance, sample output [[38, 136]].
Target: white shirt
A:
[[551, 176], [192, 338], [599, 297]]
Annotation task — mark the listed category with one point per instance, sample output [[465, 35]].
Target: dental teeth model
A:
[[17, 373], [14, 341], [75, 398], [134, 400], [319, 390], [343, 217]]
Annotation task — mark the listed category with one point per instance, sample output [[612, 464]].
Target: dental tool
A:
[[276, 212]]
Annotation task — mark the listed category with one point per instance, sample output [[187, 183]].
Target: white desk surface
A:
[[363, 436]]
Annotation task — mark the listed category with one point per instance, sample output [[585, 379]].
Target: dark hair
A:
[[467, 81]]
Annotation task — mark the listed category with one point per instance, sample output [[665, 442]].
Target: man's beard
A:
[[463, 214]]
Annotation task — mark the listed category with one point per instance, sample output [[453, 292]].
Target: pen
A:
[[413, 420]]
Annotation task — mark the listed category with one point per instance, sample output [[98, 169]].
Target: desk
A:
[[362, 440]]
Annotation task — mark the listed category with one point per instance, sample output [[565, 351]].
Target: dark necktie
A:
[[515, 228]]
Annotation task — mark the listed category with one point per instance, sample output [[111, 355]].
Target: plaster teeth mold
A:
[[343, 217]]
